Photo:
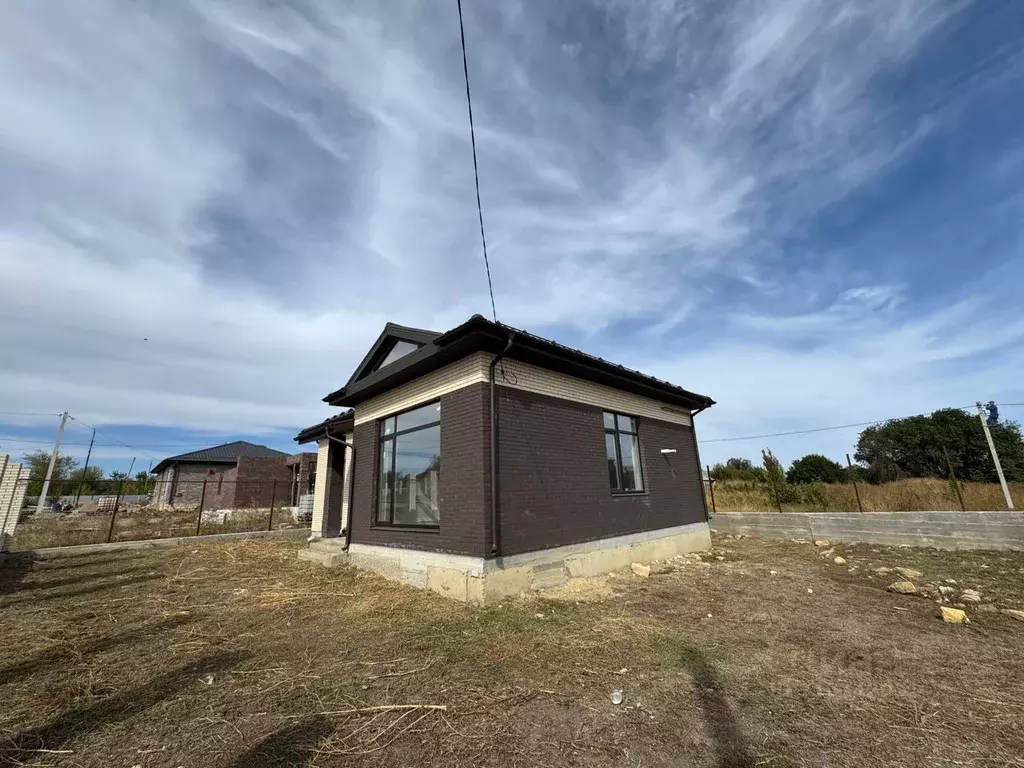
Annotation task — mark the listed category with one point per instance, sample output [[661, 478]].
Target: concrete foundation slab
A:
[[480, 580]]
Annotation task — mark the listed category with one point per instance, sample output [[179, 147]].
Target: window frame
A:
[[616, 432], [392, 437]]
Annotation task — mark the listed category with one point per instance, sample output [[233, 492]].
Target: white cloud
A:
[[256, 189]]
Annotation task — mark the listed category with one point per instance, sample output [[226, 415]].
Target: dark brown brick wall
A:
[[464, 489], [554, 475]]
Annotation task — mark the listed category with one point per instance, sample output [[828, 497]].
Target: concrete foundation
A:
[[480, 580]]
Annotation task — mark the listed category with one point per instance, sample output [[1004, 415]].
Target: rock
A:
[[909, 573], [539, 615], [881, 571], [949, 581], [954, 616], [821, 542], [970, 596], [696, 557], [1013, 613], [643, 571], [773, 573], [839, 560], [828, 552], [986, 608], [946, 590], [719, 558], [903, 587], [810, 591]]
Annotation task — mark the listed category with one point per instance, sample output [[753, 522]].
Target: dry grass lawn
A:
[[137, 524], [240, 655]]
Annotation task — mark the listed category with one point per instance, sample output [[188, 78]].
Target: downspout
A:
[[495, 506], [351, 480], [696, 453]]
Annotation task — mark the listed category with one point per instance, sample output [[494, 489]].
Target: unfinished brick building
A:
[[235, 475]]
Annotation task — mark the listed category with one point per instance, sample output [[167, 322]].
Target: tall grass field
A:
[[911, 495]]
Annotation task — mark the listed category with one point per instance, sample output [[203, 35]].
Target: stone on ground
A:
[[643, 571], [954, 616], [839, 560], [1013, 613], [945, 590], [909, 573], [881, 571], [903, 587], [970, 596], [821, 543]]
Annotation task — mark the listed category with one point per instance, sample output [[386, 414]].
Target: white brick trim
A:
[[474, 369], [322, 465]]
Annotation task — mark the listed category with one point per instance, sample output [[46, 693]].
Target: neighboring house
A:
[[485, 461], [238, 474]]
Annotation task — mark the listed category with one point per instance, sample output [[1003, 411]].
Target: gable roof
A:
[[480, 334], [335, 425], [391, 334], [228, 453]]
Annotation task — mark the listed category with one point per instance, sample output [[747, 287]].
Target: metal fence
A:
[[129, 510]]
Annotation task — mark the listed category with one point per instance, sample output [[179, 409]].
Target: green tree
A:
[[89, 479], [912, 447], [143, 482], [37, 462], [738, 469], [815, 468], [775, 477]]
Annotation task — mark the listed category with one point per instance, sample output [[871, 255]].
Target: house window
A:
[[622, 446], [399, 350], [408, 491]]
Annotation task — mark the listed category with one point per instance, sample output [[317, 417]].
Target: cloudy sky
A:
[[811, 211]]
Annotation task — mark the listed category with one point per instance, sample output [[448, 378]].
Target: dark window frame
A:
[[616, 431], [391, 437]]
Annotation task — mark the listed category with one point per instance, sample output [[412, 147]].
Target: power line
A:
[[25, 413], [838, 426], [476, 168], [119, 442]]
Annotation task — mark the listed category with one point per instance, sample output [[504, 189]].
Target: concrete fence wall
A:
[[943, 530]]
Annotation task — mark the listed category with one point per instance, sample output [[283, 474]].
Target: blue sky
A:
[[810, 211]]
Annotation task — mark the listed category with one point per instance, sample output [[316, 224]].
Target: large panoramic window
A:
[[622, 446], [408, 491]]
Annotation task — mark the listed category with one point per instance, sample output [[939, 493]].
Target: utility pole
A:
[[88, 455], [995, 456], [53, 462]]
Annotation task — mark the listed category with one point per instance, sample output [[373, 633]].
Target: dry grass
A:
[[238, 655], [916, 494], [135, 525]]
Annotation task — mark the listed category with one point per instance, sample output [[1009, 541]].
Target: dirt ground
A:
[[230, 655]]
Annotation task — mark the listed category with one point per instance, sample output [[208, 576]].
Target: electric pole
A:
[[88, 455], [53, 462], [995, 456]]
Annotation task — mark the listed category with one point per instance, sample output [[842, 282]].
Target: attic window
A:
[[399, 350]]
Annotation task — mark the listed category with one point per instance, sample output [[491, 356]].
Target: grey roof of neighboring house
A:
[[228, 453]]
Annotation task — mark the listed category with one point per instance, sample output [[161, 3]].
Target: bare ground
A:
[[240, 655]]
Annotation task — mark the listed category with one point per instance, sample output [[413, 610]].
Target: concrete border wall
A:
[[942, 530]]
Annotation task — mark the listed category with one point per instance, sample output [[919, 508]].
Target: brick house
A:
[[238, 474], [485, 461]]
